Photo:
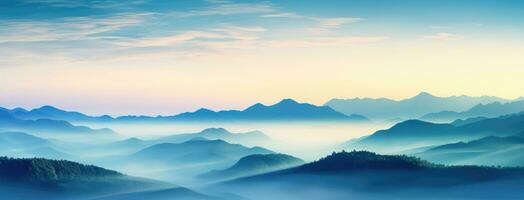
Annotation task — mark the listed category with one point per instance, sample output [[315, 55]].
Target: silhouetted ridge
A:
[[286, 109], [411, 108], [214, 131]]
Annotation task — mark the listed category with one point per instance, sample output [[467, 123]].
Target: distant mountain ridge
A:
[[247, 138], [196, 151], [285, 110], [494, 109], [50, 112], [8, 122], [491, 150], [251, 138], [411, 108], [413, 133]]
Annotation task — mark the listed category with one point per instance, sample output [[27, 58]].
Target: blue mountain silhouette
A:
[[411, 108]]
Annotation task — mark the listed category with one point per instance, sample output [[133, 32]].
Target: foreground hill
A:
[[366, 175], [59, 179], [411, 108], [255, 164], [482, 110]]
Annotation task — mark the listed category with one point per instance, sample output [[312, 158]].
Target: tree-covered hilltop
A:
[[39, 170], [255, 164], [344, 161]]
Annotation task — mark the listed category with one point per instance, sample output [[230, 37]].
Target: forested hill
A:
[[39, 170]]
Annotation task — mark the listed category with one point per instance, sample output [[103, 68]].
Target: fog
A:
[[307, 140]]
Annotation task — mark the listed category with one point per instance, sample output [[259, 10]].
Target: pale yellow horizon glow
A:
[[165, 83]]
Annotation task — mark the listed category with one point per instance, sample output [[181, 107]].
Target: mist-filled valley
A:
[[264, 149], [261, 100]]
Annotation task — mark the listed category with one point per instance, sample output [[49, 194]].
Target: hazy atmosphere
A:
[[165, 57], [256, 100]]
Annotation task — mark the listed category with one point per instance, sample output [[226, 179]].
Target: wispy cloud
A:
[[340, 41], [225, 8], [440, 27], [86, 3], [327, 24], [443, 37], [71, 28], [283, 15], [227, 34]]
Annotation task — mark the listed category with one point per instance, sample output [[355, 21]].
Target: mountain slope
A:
[[196, 151], [19, 144], [491, 150], [255, 164], [412, 108], [181, 162], [411, 133], [414, 133], [481, 110], [248, 138]]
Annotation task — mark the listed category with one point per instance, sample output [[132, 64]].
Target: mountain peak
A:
[[255, 107], [214, 131], [204, 110], [48, 108], [287, 101], [423, 95]]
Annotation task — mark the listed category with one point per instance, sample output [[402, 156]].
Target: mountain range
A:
[[251, 138], [182, 162], [285, 110], [491, 150], [481, 110], [8, 122], [194, 151], [411, 108], [50, 112], [415, 133]]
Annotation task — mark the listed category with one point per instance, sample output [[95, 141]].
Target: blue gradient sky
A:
[[161, 57]]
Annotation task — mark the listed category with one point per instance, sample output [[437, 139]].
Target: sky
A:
[[164, 57]]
